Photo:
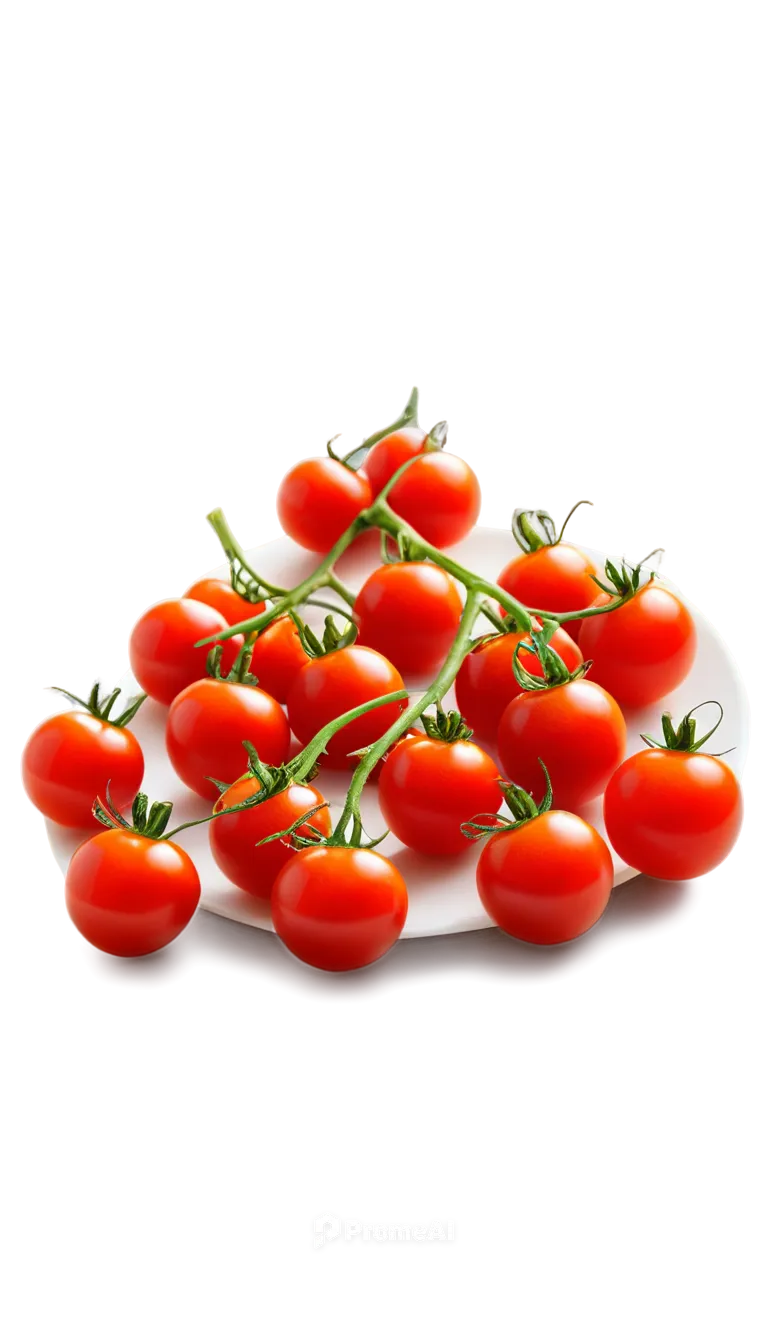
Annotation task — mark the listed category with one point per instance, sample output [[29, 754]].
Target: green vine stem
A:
[[408, 416], [443, 681]]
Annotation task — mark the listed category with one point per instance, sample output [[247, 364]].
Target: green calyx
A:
[[446, 727], [272, 779], [521, 804], [554, 670], [145, 820], [624, 582], [102, 708], [533, 528], [315, 838], [332, 640], [683, 738], [239, 673]]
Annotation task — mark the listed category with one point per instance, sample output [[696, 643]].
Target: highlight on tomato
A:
[[545, 876], [430, 784], [486, 680], [575, 725], [277, 655], [130, 890], [549, 574], [71, 758], [340, 676], [209, 721], [674, 811], [318, 499], [410, 611], [219, 594], [644, 649], [339, 908], [163, 655]]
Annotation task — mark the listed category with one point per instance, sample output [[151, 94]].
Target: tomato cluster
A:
[[256, 702]]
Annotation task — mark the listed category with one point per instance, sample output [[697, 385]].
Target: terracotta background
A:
[[219, 234]]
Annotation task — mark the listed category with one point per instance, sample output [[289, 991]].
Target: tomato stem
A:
[[444, 679]]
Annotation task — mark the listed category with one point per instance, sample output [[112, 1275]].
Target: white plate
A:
[[442, 894]]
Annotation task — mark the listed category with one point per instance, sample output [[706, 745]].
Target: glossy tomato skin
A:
[[673, 814], [278, 654], [129, 895], [410, 612], [390, 453], [427, 788], [219, 594], [207, 725], [555, 578], [486, 682], [68, 762], [163, 655], [439, 496], [335, 683], [643, 650], [339, 909], [577, 730], [547, 881], [318, 500], [234, 838]]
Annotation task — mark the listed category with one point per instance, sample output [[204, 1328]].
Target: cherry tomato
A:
[[339, 909], [69, 760], [553, 578], [390, 453], [207, 725], [673, 814], [163, 654], [428, 788], [643, 650], [278, 654], [219, 594], [486, 681], [318, 499], [439, 496], [329, 686], [546, 881], [130, 895], [234, 838], [577, 730], [410, 612]]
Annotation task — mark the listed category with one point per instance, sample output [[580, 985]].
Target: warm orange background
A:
[[221, 234]]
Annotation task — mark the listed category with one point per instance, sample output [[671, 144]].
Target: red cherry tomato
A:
[[318, 500], [427, 788], [673, 814], [410, 612], [486, 681], [339, 909], [555, 578], [546, 881], [68, 762], [207, 725], [577, 730], [163, 654], [234, 838], [329, 686], [129, 895], [643, 650], [219, 594], [439, 496], [390, 453], [278, 654]]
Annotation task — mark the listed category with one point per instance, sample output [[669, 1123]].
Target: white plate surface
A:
[[442, 893]]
